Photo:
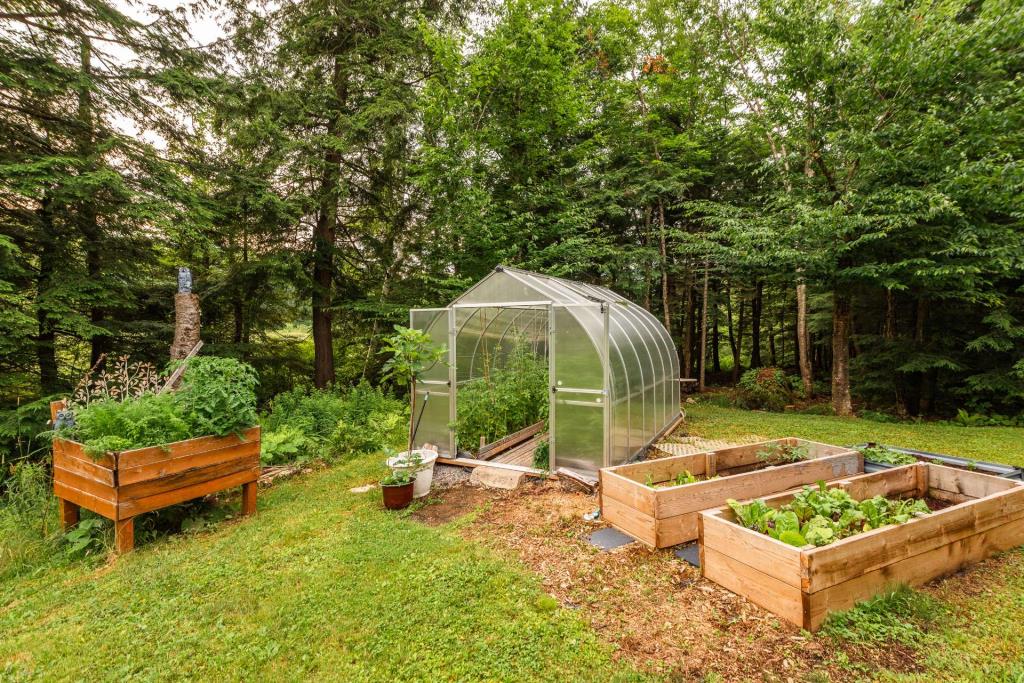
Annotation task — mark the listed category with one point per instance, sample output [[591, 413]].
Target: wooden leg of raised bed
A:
[[124, 535], [249, 498], [68, 514]]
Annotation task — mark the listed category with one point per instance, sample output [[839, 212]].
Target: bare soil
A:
[[655, 609]]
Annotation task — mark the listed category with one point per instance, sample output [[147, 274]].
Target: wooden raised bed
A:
[[121, 485], [802, 585], [663, 517]]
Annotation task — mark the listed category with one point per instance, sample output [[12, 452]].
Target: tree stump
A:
[[186, 324]]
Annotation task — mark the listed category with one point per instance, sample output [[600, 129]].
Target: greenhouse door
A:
[[578, 416], [435, 407]]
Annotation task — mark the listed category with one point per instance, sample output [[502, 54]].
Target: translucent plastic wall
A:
[[612, 366]]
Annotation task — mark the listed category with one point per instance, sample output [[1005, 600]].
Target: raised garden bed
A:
[[910, 455], [121, 485], [635, 500], [975, 515]]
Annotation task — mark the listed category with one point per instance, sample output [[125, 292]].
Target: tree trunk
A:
[[664, 266], [647, 261], [324, 235], [803, 340], [737, 367], [755, 325], [46, 337], [841, 321], [688, 328], [889, 334], [924, 405], [716, 358], [92, 238], [703, 331]]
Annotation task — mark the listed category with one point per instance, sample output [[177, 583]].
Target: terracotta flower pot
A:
[[397, 497]]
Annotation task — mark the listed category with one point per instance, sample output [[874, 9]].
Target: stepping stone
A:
[[363, 489], [497, 478], [609, 539], [689, 553]]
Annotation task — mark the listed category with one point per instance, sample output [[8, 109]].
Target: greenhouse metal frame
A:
[[613, 371]]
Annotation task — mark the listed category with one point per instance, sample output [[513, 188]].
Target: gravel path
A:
[[447, 476]]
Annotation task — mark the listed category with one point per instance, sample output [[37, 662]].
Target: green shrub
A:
[[332, 423], [542, 455], [216, 397], [283, 445], [505, 399], [765, 389]]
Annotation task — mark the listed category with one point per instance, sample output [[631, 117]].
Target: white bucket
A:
[[424, 472]]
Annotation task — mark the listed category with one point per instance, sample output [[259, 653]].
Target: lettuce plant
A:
[[821, 515]]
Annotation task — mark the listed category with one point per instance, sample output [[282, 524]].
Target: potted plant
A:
[[397, 488], [412, 352]]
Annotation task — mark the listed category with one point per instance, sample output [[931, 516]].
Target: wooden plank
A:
[[965, 482], [589, 483], [172, 465], [774, 558], [867, 552], [85, 484], [490, 450], [768, 592], [629, 520], [186, 478], [176, 375], [83, 468], [130, 508], [627, 492], [915, 570], [154, 454], [702, 495], [473, 462], [662, 469], [101, 506], [73, 449], [675, 530]]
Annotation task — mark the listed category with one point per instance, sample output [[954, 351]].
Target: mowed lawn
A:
[[324, 585], [997, 444], [321, 585]]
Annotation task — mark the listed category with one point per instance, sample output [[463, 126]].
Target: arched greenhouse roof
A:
[[613, 368]]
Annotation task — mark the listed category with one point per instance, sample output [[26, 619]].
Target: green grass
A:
[[320, 584], [997, 444]]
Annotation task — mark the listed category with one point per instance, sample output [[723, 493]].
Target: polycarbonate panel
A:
[[579, 431], [432, 414], [577, 344], [500, 288], [433, 321], [642, 370]]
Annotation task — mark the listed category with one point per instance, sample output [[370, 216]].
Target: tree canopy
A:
[[838, 182]]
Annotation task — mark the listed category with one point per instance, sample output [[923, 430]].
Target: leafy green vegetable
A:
[[887, 455], [821, 515]]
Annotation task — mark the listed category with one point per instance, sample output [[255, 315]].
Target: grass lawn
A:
[[998, 444], [320, 584], [324, 585]]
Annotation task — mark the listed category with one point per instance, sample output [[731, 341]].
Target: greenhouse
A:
[[610, 368]]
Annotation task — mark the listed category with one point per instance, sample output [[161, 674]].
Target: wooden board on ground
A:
[[489, 451], [120, 485], [803, 585], [733, 472]]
